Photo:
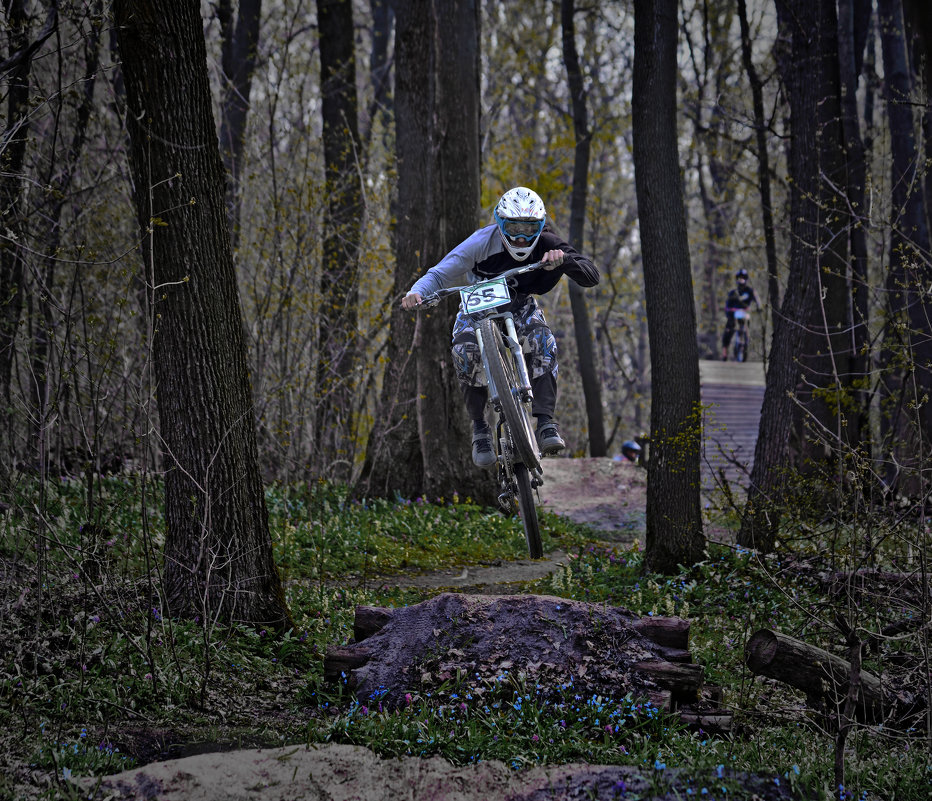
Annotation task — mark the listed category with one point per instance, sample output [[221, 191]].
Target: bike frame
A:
[[518, 455], [742, 334]]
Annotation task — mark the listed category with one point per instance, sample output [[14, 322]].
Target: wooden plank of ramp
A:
[[732, 396]]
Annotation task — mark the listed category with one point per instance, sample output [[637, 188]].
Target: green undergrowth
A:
[[94, 679], [321, 533]]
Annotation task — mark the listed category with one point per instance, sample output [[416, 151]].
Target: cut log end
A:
[[761, 650], [339, 663], [370, 620]]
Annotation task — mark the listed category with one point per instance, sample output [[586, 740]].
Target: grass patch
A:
[[320, 533]]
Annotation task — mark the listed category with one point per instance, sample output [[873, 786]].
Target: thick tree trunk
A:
[[420, 444], [380, 65], [906, 357], [339, 291], [806, 65], [674, 519], [588, 369], [854, 22], [218, 551], [238, 59], [763, 160], [12, 158], [828, 431]]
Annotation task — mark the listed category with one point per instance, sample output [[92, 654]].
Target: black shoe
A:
[[482, 453], [549, 439]]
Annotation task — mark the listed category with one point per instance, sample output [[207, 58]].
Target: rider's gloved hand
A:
[[552, 259], [411, 300]]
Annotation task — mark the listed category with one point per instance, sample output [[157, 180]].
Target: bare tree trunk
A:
[[49, 387], [420, 440], [806, 65], [829, 417], [20, 51], [238, 58], [592, 389], [339, 291], [854, 18], [674, 519], [906, 356], [763, 159], [218, 550], [380, 66], [717, 156]]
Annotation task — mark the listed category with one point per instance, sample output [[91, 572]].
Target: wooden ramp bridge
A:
[[732, 395]]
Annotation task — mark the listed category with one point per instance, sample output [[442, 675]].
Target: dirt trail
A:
[[607, 494], [603, 493], [353, 773]]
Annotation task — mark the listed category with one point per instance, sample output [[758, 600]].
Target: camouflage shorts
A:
[[540, 347]]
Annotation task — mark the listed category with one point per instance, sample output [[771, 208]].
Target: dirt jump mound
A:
[[550, 642]]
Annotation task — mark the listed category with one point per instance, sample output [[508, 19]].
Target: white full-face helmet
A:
[[520, 215]]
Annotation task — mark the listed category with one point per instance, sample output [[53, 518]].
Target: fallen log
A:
[[716, 721], [682, 680], [821, 675], [369, 620], [671, 632], [340, 662], [674, 654]]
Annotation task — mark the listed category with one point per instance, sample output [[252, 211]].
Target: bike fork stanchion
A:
[[524, 378], [493, 390]]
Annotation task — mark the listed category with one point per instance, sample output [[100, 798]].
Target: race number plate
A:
[[486, 295], [741, 314]]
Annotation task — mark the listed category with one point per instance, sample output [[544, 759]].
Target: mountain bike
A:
[[519, 469], [742, 335]]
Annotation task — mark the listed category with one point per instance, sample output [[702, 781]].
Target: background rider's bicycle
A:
[[742, 335], [519, 471]]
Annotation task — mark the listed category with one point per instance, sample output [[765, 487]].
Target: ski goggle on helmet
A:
[[520, 216]]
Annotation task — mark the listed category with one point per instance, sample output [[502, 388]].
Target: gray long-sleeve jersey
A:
[[482, 256]]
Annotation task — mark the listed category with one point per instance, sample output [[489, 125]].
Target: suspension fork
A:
[[493, 390], [510, 336], [524, 379]]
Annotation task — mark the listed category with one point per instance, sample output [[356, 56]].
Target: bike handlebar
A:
[[435, 297]]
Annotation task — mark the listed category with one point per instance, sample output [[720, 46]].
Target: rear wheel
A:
[[516, 412], [528, 509]]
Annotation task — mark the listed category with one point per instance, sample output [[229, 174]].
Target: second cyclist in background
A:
[[739, 300]]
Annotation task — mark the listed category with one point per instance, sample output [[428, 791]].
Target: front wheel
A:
[[741, 344], [517, 413], [528, 510]]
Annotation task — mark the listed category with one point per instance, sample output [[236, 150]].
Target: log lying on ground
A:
[[554, 642], [670, 632], [823, 676]]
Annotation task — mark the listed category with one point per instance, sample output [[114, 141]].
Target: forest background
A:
[[802, 133], [76, 370]]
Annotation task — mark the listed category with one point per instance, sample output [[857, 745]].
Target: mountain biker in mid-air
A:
[[519, 233], [740, 297]]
